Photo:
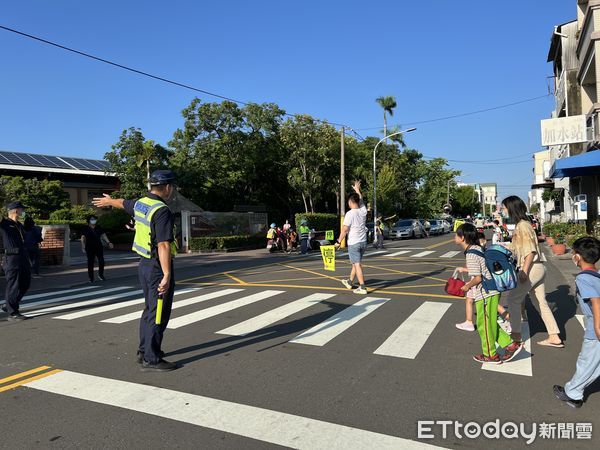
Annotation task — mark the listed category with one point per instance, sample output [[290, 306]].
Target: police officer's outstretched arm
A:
[[106, 201], [164, 257]]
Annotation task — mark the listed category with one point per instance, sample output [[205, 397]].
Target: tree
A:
[[388, 104], [125, 159], [463, 200], [433, 189], [41, 197]]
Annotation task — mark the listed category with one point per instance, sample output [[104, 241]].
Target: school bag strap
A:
[[588, 272], [475, 252]]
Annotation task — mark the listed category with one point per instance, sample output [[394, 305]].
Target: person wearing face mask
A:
[[16, 264], [93, 239], [155, 243]]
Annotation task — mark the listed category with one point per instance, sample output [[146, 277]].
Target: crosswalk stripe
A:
[[30, 306], [180, 304], [324, 332], [64, 307], [450, 254], [375, 253], [410, 337], [581, 320], [266, 425], [197, 316], [48, 294], [420, 255], [521, 364], [399, 253], [273, 316], [113, 306]]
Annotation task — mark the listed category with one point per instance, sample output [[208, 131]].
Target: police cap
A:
[[15, 205], [159, 177]]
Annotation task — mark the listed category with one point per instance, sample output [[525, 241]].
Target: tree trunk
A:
[[305, 203], [312, 207], [148, 173], [385, 126]]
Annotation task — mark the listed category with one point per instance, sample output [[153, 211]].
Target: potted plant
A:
[[559, 247], [549, 230]]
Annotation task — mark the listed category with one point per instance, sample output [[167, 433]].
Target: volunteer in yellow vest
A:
[[155, 243], [304, 235]]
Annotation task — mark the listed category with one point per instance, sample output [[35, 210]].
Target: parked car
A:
[[436, 227], [446, 226], [407, 228]]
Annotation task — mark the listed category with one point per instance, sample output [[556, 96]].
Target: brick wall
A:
[[52, 250]]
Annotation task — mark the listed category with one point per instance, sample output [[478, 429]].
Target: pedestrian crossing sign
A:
[[328, 254], [329, 235]]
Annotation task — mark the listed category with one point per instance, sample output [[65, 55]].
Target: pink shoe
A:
[[466, 326]]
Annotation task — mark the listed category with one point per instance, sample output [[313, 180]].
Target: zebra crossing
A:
[[120, 305], [410, 253]]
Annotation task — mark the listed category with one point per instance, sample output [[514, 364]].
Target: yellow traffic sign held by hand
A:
[[329, 235], [328, 254]]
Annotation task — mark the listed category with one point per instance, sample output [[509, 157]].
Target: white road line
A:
[[180, 304], [450, 254], [64, 307], [66, 298], [113, 306], [399, 253], [375, 253], [420, 255], [48, 294], [324, 332], [410, 337], [197, 316], [581, 319], [521, 364], [264, 425], [275, 315]]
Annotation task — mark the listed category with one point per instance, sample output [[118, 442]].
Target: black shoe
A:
[[160, 366], [560, 394], [4, 309], [17, 317], [139, 357], [102, 277]]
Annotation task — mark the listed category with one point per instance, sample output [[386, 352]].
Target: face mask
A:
[[23, 215], [93, 222]]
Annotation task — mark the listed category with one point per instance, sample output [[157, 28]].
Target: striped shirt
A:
[[476, 267]]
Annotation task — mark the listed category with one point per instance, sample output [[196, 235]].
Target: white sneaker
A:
[[466, 326], [347, 284], [360, 290]]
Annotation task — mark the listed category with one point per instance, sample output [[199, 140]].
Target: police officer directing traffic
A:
[[16, 261], [155, 243]]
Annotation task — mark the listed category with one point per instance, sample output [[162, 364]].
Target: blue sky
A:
[[330, 59]]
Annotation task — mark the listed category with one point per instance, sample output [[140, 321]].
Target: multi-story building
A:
[[489, 195], [542, 181], [576, 166]]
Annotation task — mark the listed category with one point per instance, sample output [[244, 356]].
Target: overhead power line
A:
[[141, 72], [470, 113]]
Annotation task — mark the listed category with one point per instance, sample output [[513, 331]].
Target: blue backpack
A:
[[502, 267]]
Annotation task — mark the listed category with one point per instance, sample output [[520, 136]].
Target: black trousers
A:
[[18, 280], [92, 254], [152, 327]]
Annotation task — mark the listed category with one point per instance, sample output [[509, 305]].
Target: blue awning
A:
[[577, 166]]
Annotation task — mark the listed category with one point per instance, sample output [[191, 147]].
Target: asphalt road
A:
[[275, 352]]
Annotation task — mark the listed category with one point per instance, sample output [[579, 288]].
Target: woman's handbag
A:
[[454, 285]]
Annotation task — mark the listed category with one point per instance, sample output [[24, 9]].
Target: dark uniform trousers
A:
[[151, 334], [18, 278]]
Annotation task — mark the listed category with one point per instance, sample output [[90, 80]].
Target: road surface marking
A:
[[521, 364], [66, 298], [48, 294], [581, 320], [425, 253], [324, 332], [113, 306], [379, 252], [95, 301], [29, 379], [23, 374], [450, 254], [197, 316], [262, 424], [399, 253], [236, 279], [439, 244], [410, 337], [180, 304], [275, 315], [312, 272]]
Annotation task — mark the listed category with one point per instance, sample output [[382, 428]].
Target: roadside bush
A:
[[77, 213], [226, 243], [319, 221], [114, 221]]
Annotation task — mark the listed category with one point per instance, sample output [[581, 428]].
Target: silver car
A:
[[407, 228]]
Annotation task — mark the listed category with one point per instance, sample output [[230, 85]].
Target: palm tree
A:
[[147, 154], [388, 104], [399, 138]]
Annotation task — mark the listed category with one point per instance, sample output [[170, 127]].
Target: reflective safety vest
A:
[[143, 210], [304, 232]]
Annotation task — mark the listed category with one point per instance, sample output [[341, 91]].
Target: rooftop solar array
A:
[[53, 162]]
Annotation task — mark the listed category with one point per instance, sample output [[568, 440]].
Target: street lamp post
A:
[[375, 173]]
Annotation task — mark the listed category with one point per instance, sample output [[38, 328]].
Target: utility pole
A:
[[342, 175]]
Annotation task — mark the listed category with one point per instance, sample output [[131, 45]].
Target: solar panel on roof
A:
[[35, 160]]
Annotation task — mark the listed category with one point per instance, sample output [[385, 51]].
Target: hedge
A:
[[227, 243], [319, 221]]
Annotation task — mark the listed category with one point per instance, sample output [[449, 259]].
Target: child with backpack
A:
[[586, 253], [486, 297]]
